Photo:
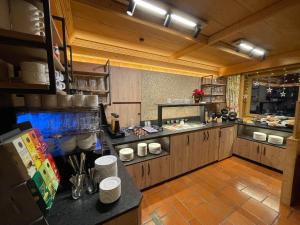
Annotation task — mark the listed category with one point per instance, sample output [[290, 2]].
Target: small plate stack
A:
[[126, 154], [154, 148], [259, 136], [86, 141], [277, 140], [105, 166], [142, 149], [110, 190]]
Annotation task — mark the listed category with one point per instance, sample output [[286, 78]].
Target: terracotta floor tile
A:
[[205, 215], [273, 202], [192, 201], [174, 219], [237, 218], [232, 196], [194, 222], [256, 193], [259, 210], [149, 223], [146, 215], [183, 211]]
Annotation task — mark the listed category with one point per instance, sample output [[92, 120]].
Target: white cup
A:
[[26, 17], [64, 101]]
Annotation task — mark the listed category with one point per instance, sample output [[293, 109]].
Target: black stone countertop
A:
[[165, 132], [88, 210]]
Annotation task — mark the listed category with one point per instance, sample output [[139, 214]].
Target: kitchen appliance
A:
[[154, 148], [274, 139], [27, 18], [105, 166], [259, 136], [4, 15], [142, 149], [110, 190], [115, 123], [126, 154], [232, 116]]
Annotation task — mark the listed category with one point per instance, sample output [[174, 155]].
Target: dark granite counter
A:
[[165, 132], [88, 210]]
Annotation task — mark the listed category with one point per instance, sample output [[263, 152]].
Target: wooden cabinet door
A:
[[196, 150], [213, 144], [179, 154], [157, 170], [227, 138], [247, 149], [272, 156], [138, 173]]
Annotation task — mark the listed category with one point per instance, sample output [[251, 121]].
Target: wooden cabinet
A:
[[137, 172], [227, 138], [272, 156], [266, 154], [148, 173], [180, 150], [132, 217], [198, 150], [213, 136]]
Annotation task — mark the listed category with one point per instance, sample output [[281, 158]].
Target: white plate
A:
[[110, 183], [106, 160]]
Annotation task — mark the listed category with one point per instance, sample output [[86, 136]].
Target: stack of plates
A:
[[110, 190], [126, 154], [277, 140], [259, 136], [142, 149], [105, 166], [86, 141], [154, 148]]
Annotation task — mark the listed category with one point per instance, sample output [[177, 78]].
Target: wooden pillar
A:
[[290, 190]]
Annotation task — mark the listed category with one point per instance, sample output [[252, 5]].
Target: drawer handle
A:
[[207, 135], [142, 170], [204, 136], [264, 150], [257, 149], [188, 139], [148, 169]]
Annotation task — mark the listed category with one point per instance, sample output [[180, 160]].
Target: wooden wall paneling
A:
[[126, 85], [130, 113]]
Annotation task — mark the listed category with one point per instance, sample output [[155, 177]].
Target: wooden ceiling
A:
[[101, 29]]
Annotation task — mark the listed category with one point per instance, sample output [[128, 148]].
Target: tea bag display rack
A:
[[212, 87], [17, 47], [88, 76]]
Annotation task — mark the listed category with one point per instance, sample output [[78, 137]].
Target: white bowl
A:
[[78, 100], [91, 101], [33, 100], [68, 144], [86, 141], [110, 190], [64, 101]]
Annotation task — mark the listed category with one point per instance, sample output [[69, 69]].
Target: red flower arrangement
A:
[[197, 93]]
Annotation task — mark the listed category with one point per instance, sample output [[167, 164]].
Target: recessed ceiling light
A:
[[183, 21], [131, 8], [245, 46], [150, 7]]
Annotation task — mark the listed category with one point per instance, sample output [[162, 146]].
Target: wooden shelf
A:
[[38, 40], [89, 74], [213, 85], [70, 109], [214, 95], [20, 85]]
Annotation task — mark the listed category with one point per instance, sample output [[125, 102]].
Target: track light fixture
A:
[[131, 7], [250, 49]]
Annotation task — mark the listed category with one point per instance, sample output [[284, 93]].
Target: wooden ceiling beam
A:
[[285, 59], [238, 26]]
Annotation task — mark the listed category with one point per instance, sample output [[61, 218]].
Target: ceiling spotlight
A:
[[167, 20], [131, 7], [245, 46], [183, 21], [150, 7], [258, 52]]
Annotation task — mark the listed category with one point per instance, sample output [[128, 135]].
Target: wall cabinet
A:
[[266, 154], [227, 138], [149, 173]]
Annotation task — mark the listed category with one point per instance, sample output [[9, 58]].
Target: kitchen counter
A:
[[88, 210], [165, 132]]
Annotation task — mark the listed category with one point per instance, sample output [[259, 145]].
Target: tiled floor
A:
[[230, 192]]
